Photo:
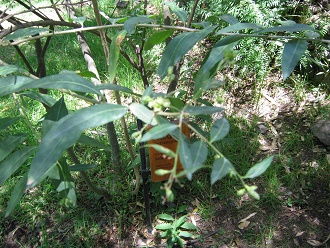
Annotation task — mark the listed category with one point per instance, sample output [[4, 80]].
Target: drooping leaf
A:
[[66, 132], [259, 168], [181, 13], [239, 26], [114, 51], [292, 52], [82, 167], [143, 113], [25, 32], [178, 47], [288, 28], [164, 226], [67, 81], [168, 152], [9, 144], [13, 162], [7, 121], [219, 130], [157, 38], [92, 142], [202, 110], [131, 23], [43, 98], [184, 152], [198, 151], [158, 132], [165, 217], [221, 167], [8, 69], [16, 195], [189, 226]]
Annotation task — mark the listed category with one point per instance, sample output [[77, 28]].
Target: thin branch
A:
[[192, 13]]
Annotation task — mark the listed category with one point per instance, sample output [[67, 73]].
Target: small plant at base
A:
[[173, 231]]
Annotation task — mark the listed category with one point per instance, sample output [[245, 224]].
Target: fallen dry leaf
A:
[[244, 224], [314, 243]]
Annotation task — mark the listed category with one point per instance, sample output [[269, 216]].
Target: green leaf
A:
[[66, 132], [221, 167], [165, 217], [115, 87], [130, 24], [181, 13], [157, 38], [185, 153], [158, 132], [57, 111], [164, 226], [185, 234], [16, 195], [199, 154], [13, 84], [8, 69], [178, 47], [143, 113], [13, 162], [202, 110], [292, 52], [82, 167], [288, 28], [67, 81], [7, 121], [92, 142], [189, 226], [25, 32], [180, 221], [161, 172], [228, 40], [239, 26], [114, 51], [9, 144], [219, 130], [229, 18], [259, 168], [43, 98], [162, 149]]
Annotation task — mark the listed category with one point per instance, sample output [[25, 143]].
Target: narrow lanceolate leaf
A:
[[8, 69], [143, 113], [221, 167], [239, 26], [9, 144], [114, 51], [259, 168], [115, 87], [294, 27], [181, 13], [185, 154], [24, 32], [81, 167], [229, 18], [165, 217], [13, 162], [178, 47], [66, 132], [162, 149], [157, 38], [202, 110], [292, 52], [67, 81], [219, 130], [158, 132], [7, 121], [92, 142], [16, 195], [43, 98], [131, 23], [13, 84]]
